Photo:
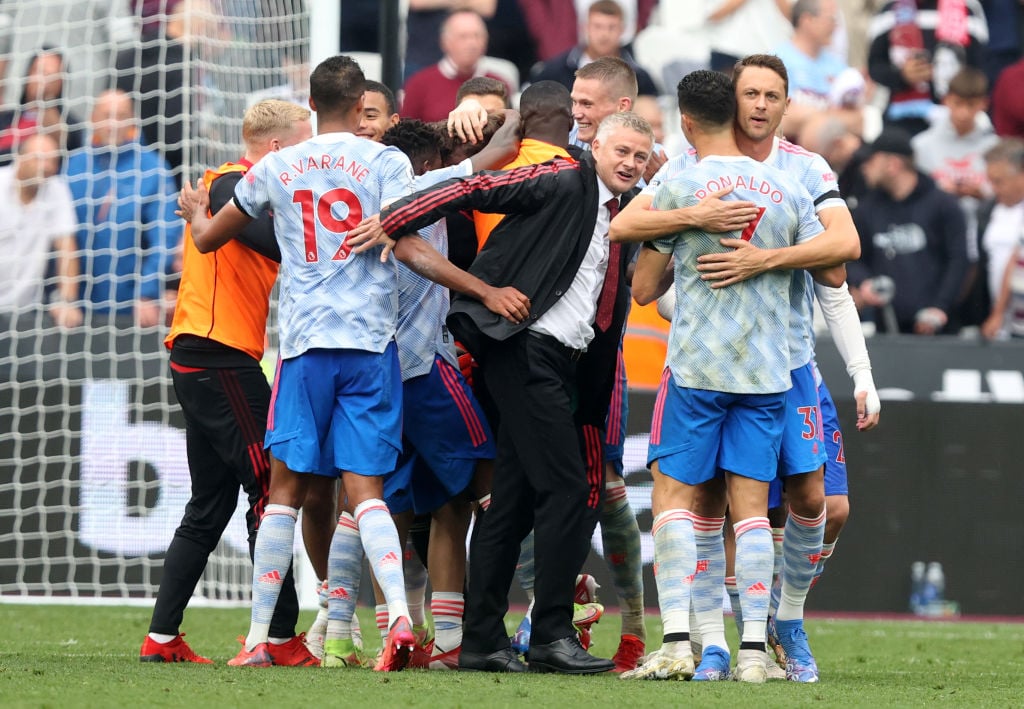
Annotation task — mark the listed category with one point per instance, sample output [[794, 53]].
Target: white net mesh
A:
[[93, 471]]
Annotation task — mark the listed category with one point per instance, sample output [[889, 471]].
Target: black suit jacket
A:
[[537, 248]]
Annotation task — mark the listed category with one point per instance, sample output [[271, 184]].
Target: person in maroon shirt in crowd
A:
[[1008, 102], [430, 93]]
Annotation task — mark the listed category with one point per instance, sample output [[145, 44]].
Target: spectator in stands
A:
[[152, 74], [552, 26], [491, 94], [1008, 102], [124, 199], [379, 112], [811, 65], [829, 136], [38, 219], [1001, 234], [423, 25], [430, 93], [952, 151], [1005, 19], [360, 26], [636, 14], [88, 34], [916, 47], [294, 84], [736, 28], [1008, 314], [602, 37], [648, 108], [41, 108], [913, 233]]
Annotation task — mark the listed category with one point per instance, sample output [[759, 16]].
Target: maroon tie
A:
[[606, 301]]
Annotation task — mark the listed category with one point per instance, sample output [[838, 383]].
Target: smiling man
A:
[[553, 247], [379, 112]]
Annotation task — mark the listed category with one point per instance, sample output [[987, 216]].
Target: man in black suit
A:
[[553, 247]]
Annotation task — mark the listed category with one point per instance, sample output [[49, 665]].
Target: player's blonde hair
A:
[[615, 75], [271, 116], [623, 119]]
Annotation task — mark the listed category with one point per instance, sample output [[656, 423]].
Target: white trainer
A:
[[751, 667], [663, 665]]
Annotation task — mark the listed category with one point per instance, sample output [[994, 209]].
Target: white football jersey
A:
[[318, 190], [734, 339]]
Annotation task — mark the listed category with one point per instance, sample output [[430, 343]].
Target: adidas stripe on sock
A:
[[344, 567], [675, 558], [754, 558], [706, 589], [271, 559], [380, 541], [802, 550]]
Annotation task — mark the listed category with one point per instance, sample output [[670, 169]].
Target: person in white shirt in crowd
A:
[[736, 28], [812, 66], [39, 218], [1002, 239]]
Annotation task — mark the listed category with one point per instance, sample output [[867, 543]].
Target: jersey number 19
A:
[[322, 210]]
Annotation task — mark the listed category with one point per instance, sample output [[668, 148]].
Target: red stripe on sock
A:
[[447, 608], [614, 492], [707, 524], [381, 506], [665, 518], [348, 523], [751, 524], [808, 522]]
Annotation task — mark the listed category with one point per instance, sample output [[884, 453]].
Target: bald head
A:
[[464, 39], [113, 119], [38, 159]]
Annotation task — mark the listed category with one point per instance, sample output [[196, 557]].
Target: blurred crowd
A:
[[918, 105]]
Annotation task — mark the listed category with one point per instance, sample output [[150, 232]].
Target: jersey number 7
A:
[[748, 232], [322, 210]]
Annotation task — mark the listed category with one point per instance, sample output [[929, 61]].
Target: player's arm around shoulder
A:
[[824, 255], [641, 221]]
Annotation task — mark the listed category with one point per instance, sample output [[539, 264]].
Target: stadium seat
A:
[[502, 68], [668, 53]]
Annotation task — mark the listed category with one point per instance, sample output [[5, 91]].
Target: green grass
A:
[[68, 656]]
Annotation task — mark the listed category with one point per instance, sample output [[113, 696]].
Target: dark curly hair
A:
[[418, 140]]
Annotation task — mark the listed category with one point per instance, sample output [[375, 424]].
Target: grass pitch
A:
[[84, 656]]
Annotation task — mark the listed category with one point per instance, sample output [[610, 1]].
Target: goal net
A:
[[93, 470]]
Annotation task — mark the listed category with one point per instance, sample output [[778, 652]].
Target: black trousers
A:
[[225, 413], [541, 482]]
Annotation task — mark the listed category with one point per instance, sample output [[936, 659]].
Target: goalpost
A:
[[93, 470]]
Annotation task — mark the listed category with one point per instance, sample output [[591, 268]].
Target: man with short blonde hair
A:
[[273, 117]]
